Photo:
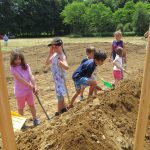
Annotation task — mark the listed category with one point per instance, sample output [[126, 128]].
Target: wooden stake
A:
[[6, 127], [144, 103]]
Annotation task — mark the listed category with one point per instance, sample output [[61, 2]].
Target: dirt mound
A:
[[104, 122]]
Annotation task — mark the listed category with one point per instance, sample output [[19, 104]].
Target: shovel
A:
[[42, 107], [107, 84]]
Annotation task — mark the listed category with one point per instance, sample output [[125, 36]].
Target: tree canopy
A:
[[84, 17]]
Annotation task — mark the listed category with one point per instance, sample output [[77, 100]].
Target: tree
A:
[[141, 17], [6, 16], [100, 18], [74, 15], [124, 15]]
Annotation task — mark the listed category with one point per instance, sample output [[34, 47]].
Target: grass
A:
[[23, 43]]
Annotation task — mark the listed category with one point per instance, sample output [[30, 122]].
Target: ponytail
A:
[[64, 51]]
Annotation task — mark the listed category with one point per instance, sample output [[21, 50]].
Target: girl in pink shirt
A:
[[24, 84]]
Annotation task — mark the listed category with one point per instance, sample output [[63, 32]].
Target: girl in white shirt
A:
[[118, 67]]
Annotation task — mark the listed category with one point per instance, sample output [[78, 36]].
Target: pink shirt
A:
[[19, 88]]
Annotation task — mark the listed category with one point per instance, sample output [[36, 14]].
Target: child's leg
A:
[[93, 85], [82, 91], [91, 90], [21, 104], [30, 101], [21, 112], [97, 88], [95, 91], [33, 111], [61, 103], [117, 76], [74, 97]]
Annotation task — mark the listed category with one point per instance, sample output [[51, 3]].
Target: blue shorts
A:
[[83, 82]]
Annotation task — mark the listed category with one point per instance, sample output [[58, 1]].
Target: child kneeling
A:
[[82, 76]]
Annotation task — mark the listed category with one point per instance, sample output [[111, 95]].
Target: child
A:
[[90, 55], [118, 43], [24, 84], [5, 38], [59, 64], [118, 68], [82, 76]]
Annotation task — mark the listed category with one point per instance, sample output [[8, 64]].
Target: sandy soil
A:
[[104, 122]]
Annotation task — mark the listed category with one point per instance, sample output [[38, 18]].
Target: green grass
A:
[[23, 43]]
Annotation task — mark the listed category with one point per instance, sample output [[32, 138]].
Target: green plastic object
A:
[[107, 84]]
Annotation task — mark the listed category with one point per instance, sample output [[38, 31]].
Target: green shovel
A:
[[107, 84]]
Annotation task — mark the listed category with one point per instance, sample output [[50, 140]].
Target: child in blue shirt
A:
[[90, 55], [82, 76]]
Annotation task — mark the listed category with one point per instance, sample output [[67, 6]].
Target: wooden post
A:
[[144, 103], [6, 127]]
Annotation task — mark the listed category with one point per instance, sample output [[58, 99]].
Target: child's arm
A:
[[20, 79], [63, 63], [125, 53], [110, 55], [33, 81], [50, 54], [115, 63]]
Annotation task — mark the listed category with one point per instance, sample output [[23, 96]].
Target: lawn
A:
[[22, 43]]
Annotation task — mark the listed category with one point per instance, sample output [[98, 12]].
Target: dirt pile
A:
[[105, 122]]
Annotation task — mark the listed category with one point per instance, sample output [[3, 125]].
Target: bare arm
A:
[[110, 55], [33, 82], [50, 54], [125, 53], [63, 63], [20, 79]]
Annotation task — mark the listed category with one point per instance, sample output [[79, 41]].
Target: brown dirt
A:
[[105, 122]]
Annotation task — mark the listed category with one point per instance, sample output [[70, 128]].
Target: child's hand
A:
[[51, 50], [31, 87], [35, 90], [60, 63], [110, 60], [125, 71], [125, 66]]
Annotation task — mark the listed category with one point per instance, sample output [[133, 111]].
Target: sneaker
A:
[[81, 98], [36, 121], [64, 110], [57, 113]]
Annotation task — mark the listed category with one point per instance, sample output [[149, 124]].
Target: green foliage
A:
[[119, 27], [128, 27], [124, 15], [141, 18], [99, 18], [74, 15], [31, 18]]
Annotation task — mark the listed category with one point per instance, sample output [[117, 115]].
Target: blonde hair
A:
[[118, 32]]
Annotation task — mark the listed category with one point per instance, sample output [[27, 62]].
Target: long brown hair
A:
[[17, 54]]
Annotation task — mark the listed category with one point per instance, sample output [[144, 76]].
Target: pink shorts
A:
[[117, 75], [23, 99]]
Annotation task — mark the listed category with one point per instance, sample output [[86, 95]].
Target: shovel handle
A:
[[42, 107]]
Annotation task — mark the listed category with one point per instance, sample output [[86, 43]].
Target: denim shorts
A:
[[83, 82]]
